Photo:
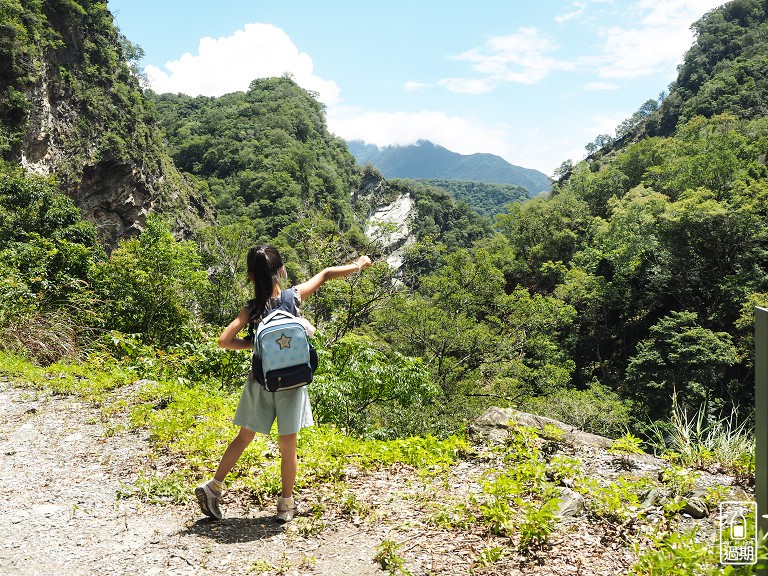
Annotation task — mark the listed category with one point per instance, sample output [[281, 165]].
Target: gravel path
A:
[[64, 513], [62, 516]]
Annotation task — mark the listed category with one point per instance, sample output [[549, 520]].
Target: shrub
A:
[[151, 285], [45, 337], [596, 410], [363, 390], [46, 305]]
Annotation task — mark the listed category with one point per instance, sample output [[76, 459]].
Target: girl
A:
[[258, 408]]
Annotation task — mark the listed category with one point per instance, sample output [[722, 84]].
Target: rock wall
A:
[[88, 124], [388, 216]]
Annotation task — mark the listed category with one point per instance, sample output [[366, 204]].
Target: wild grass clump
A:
[[703, 441], [44, 337]]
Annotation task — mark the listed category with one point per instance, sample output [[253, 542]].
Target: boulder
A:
[[493, 425], [570, 503]]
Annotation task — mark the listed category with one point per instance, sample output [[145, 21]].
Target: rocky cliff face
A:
[[87, 123], [389, 216], [116, 196]]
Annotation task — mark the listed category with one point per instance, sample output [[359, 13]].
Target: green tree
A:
[[46, 250], [543, 231], [152, 285], [363, 390], [703, 154], [474, 337], [310, 244], [223, 250], [680, 358]]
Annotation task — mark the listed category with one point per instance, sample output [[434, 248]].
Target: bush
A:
[[46, 251], [152, 285], [363, 390], [596, 410]]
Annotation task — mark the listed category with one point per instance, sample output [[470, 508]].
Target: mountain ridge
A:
[[426, 160]]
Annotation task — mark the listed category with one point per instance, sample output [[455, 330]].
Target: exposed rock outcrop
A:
[[87, 123], [691, 492], [494, 425], [388, 216]]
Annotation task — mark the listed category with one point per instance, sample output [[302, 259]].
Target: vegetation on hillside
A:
[[70, 98], [110, 118], [486, 199], [629, 288], [667, 259], [265, 154]]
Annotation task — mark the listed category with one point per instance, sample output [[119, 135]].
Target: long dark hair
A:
[[264, 265]]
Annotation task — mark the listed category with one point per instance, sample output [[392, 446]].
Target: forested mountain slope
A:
[[72, 107], [659, 239], [485, 198], [426, 160], [265, 154], [725, 70]]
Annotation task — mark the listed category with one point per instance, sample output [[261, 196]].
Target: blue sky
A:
[[532, 82]]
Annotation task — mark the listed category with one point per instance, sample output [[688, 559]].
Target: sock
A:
[[215, 485]]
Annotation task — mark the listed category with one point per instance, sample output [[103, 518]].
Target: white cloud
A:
[[675, 13], [231, 63], [412, 86], [659, 41], [600, 86], [641, 52], [384, 128], [578, 10], [468, 85], [521, 58]]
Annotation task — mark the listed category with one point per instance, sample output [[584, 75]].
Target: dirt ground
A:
[[62, 515], [63, 475]]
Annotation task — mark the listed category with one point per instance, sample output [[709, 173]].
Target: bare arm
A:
[[229, 339], [308, 288]]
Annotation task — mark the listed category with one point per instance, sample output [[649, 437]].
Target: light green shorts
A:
[[258, 409]]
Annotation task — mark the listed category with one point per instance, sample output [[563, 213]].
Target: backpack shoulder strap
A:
[[287, 302]]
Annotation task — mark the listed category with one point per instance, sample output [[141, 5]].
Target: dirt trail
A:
[[62, 474]]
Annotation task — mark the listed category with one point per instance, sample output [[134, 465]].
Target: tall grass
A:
[[703, 441], [46, 337]]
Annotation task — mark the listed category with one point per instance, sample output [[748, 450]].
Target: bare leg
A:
[[233, 453], [288, 463]]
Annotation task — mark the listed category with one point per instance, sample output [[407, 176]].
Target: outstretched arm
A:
[[308, 288], [229, 339]]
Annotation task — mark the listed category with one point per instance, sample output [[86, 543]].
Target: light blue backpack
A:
[[283, 357]]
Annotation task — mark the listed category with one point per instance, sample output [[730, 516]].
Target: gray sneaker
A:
[[208, 501], [286, 509]]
